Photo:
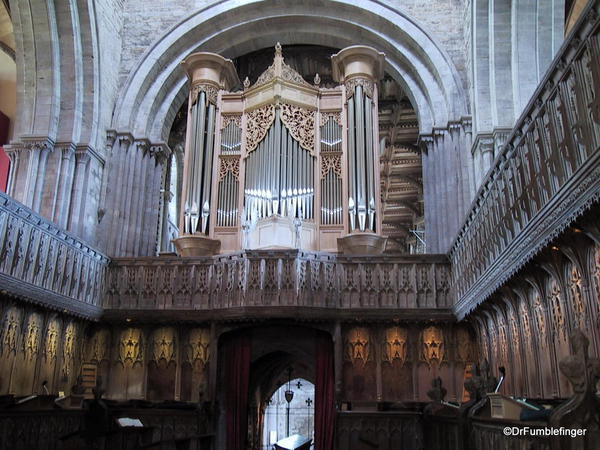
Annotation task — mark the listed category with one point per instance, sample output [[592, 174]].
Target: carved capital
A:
[[366, 84]]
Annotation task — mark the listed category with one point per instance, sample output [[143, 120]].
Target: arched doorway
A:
[[254, 364], [283, 418]]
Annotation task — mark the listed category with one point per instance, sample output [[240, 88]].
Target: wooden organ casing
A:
[[273, 164]]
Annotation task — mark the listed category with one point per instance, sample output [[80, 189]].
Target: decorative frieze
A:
[[283, 277], [44, 264]]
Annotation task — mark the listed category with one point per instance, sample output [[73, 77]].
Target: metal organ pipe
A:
[[197, 205], [361, 164], [279, 175], [331, 200], [370, 197], [231, 137]]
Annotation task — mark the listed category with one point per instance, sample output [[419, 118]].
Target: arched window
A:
[[171, 189], [301, 413]]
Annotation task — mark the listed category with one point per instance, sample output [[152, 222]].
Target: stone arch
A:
[[154, 91], [57, 71]]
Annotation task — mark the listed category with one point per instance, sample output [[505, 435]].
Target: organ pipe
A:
[[199, 170], [331, 183], [279, 176], [228, 187]]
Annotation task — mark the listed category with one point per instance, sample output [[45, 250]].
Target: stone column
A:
[[208, 74], [360, 67]]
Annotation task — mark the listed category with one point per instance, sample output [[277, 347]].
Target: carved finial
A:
[[583, 409], [246, 83], [317, 80], [582, 371], [437, 393], [278, 49]]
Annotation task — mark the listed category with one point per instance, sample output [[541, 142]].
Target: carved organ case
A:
[[282, 163]]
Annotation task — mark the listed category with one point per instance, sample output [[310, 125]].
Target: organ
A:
[[282, 163]]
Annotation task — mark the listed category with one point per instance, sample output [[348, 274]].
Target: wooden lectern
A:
[[503, 407], [294, 442]]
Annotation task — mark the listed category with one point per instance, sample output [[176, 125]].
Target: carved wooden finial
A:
[[582, 371], [246, 83], [317, 80], [583, 409], [437, 393]]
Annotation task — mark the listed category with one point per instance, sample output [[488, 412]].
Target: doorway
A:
[[301, 412]]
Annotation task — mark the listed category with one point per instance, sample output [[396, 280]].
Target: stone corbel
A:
[[425, 143], [160, 152]]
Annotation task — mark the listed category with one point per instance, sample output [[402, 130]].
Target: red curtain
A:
[[324, 394], [4, 161], [237, 377]]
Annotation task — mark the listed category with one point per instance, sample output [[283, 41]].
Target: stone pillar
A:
[[360, 67], [208, 74]]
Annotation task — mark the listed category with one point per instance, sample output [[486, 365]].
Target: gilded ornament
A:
[[32, 337], [198, 348], [433, 347], [10, 330], [131, 347], [358, 346], [395, 347], [163, 345]]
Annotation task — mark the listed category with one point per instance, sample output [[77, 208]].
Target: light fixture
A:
[[289, 396]]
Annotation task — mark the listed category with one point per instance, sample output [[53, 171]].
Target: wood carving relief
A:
[[69, 339], [131, 347], [10, 330], [557, 310], [300, 122], [358, 346], [279, 69], [325, 117], [577, 298], [163, 345], [31, 342], [51, 342], [258, 122], [99, 346], [465, 351], [209, 89], [395, 347], [198, 348], [331, 162], [229, 164], [366, 84], [540, 318], [236, 119], [433, 346]]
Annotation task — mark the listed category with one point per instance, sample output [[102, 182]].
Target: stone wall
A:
[[145, 21]]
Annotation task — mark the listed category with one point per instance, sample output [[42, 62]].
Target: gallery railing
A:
[[280, 278], [40, 262], [546, 175]]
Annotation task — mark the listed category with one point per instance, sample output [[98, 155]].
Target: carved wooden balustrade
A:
[[42, 263], [280, 281], [546, 175]]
